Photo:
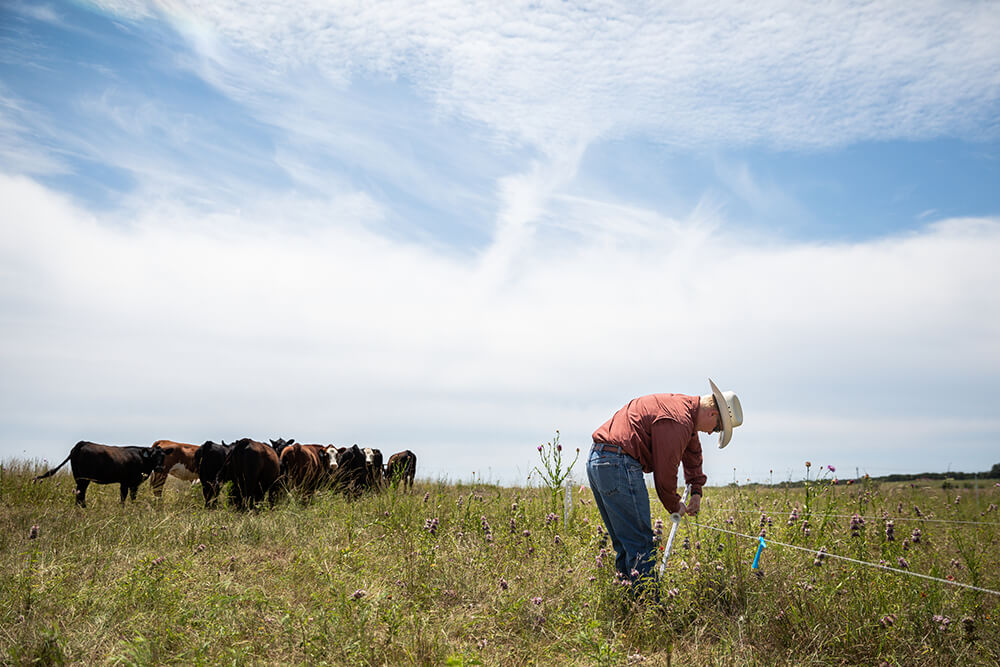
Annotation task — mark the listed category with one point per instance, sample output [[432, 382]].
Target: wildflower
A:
[[955, 564], [915, 537], [809, 464], [358, 594], [673, 592], [33, 533], [958, 498], [906, 544], [503, 584], [888, 620], [942, 622], [513, 525], [427, 496], [539, 448], [903, 563], [526, 533], [916, 510], [730, 521], [820, 555], [558, 448], [159, 561], [485, 525], [430, 525], [551, 518], [687, 542], [857, 523], [200, 547], [658, 530], [890, 530], [591, 578], [831, 469], [635, 658], [385, 513], [481, 644], [536, 600], [557, 540]]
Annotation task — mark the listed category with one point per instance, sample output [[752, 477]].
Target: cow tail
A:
[[53, 471]]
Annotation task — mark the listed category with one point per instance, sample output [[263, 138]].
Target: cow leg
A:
[[157, 480], [81, 492], [133, 490], [123, 487]]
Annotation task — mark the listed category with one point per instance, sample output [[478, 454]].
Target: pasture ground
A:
[[473, 573]]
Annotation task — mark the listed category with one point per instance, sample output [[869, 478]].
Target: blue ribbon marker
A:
[[756, 558]]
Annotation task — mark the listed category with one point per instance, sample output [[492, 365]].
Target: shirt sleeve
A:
[[669, 441], [692, 459]]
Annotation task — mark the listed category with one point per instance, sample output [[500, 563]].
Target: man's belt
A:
[[605, 447]]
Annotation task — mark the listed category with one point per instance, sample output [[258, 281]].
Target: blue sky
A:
[[457, 227]]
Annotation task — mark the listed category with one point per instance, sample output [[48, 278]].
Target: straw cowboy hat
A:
[[732, 415]]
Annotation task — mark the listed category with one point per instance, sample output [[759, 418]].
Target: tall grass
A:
[[462, 573]]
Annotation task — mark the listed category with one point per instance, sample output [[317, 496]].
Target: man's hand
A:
[[681, 509], [693, 505]]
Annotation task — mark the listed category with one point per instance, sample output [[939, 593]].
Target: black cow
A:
[[253, 468], [106, 464], [351, 473], [402, 466], [209, 460], [280, 444], [373, 466]]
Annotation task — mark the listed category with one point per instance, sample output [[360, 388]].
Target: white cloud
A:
[[193, 326], [777, 73]]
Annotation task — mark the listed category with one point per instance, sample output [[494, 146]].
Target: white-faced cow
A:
[[178, 460], [106, 464], [401, 466], [209, 460], [373, 466]]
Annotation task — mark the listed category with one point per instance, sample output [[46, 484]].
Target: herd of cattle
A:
[[255, 469]]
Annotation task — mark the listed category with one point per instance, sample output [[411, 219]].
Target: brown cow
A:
[[402, 466], [178, 460], [253, 469], [304, 468]]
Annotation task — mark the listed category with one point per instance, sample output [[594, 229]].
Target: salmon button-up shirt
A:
[[658, 430]]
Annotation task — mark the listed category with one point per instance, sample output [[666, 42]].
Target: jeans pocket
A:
[[609, 475]]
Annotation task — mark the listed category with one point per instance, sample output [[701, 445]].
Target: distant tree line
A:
[[992, 473]]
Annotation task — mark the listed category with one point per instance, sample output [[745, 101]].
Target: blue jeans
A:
[[623, 501]]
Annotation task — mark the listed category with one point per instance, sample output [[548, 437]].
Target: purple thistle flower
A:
[[903, 563], [915, 537], [820, 555], [942, 622], [539, 448], [551, 518], [358, 594], [536, 600], [427, 496], [503, 584], [888, 620], [890, 530], [557, 540]]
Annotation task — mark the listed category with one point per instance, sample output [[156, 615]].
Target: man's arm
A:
[[693, 474], [669, 440]]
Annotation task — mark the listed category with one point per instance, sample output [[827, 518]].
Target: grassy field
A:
[[472, 573]]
